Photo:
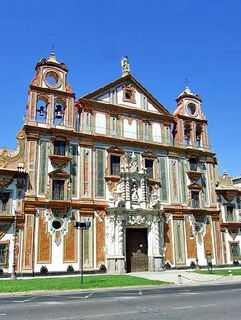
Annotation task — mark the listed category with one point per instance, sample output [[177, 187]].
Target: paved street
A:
[[184, 302]]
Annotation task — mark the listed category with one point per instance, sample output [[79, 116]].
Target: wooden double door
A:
[[136, 249]]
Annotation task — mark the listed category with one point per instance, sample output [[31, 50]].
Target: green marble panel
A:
[[184, 182], [163, 178], [43, 167], [74, 168], [100, 174]]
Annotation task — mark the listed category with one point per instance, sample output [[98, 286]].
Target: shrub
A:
[[235, 262], [167, 266], [102, 268], [192, 264], [70, 269], [44, 270]]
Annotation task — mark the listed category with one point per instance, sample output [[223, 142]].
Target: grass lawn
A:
[[223, 272], [68, 283]]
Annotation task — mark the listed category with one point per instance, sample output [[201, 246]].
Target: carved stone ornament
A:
[[225, 181], [199, 224], [233, 232], [3, 163], [50, 216], [4, 229], [36, 79], [141, 220]]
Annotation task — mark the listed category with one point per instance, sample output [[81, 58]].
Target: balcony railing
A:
[[195, 204], [6, 209], [229, 217]]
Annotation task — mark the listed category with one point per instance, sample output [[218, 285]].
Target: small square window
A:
[[129, 95]]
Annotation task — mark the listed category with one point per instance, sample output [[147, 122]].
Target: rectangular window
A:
[[59, 147], [230, 213], [149, 164], [113, 126], [4, 248], [100, 123], [235, 250], [146, 131], [114, 165], [58, 189], [87, 121], [78, 121], [4, 202], [195, 199], [193, 164]]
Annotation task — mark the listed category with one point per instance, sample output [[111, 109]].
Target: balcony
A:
[[6, 209]]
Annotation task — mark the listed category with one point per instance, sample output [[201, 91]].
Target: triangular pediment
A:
[[149, 154], [195, 186], [127, 91], [59, 173], [115, 149]]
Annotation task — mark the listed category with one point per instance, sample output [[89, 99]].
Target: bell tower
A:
[[191, 123], [50, 97]]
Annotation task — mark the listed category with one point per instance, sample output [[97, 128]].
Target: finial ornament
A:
[[187, 89], [125, 66], [52, 56]]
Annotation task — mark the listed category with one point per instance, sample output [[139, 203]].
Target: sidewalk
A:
[[187, 277]]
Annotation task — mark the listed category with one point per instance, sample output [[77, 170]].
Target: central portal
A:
[[136, 249]]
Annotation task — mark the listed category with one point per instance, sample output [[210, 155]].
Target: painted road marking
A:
[[181, 308], [82, 297], [26, 300], [207, 305], [194, 307], [3, 314], [96, 315], [52, 302]]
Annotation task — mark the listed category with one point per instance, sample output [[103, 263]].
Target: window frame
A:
[[54, 180]]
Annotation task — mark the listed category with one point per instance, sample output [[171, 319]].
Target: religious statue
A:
[[125, 66]]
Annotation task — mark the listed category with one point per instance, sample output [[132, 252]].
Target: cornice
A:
[[122, 141], [52, 91], [106, 106]]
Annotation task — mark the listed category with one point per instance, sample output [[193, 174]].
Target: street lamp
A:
[[13, 274], [82, 226]]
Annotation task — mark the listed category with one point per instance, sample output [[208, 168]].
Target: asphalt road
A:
[[222, 302]]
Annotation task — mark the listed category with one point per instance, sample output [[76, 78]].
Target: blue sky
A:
[[166, 41]]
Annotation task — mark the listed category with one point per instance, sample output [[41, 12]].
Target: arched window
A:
[[41, 110], [78, 120], [198, 135], [187, 133], [59, 113]]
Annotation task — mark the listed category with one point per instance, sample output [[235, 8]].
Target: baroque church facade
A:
[[143, 177]]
